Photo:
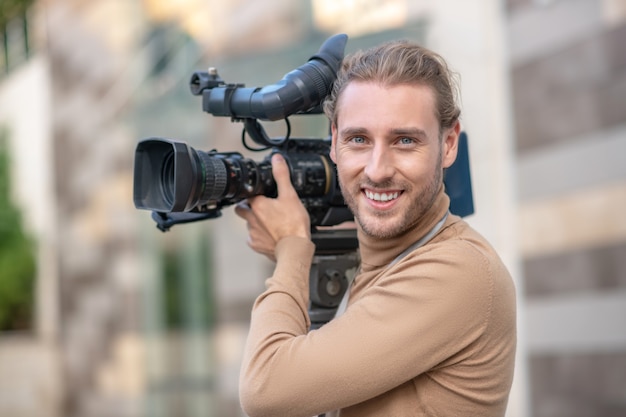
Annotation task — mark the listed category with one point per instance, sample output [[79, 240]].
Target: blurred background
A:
[[103, 315]]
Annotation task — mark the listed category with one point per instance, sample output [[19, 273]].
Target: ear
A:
[[450, 144], [333, 143]]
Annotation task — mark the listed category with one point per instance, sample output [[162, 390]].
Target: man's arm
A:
[[402, 327]]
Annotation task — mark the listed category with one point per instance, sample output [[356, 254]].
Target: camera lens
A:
[[167, 178], [213, 173]]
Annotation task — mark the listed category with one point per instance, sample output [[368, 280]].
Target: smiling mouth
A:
[[382, 197]]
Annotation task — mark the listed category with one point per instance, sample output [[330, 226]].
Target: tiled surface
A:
[[571, 92], [579, 385], [596, 269]]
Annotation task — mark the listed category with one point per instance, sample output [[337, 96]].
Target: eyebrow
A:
[[401, 131], [410, 131], [351, 131]]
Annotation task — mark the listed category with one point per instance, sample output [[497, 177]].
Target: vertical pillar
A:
[[198, 359], [471, 36], [155, 335]]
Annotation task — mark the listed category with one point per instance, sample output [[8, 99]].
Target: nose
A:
[[380, 167]]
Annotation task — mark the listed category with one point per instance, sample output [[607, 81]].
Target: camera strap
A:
[[431, 233]]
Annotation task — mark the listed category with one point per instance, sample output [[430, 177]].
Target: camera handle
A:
[[335, 262], [254, 129]]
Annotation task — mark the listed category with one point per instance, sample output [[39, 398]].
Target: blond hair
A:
[[395, 63]]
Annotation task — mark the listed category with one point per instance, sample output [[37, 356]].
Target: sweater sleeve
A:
[[419, 314], [279, 316]]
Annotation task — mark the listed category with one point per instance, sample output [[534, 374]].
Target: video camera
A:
[[181, 184]]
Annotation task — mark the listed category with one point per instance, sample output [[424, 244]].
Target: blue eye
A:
[[406, 141], [358, 139]]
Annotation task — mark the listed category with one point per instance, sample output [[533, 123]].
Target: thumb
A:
[[280, 172]]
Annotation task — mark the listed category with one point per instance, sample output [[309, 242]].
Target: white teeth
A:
[[381, 196]]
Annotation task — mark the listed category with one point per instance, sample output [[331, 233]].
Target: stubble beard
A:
[[373, 223]]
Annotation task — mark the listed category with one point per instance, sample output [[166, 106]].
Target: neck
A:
[[376, 252]]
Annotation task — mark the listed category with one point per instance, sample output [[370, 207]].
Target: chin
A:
[[380, 229]]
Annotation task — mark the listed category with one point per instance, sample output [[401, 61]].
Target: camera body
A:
[[172, 177], [181, 184]]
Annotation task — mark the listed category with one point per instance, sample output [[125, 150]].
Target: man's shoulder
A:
[[459, 251], [459, 236]]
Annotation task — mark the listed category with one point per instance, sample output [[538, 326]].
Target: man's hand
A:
[[271, 219]]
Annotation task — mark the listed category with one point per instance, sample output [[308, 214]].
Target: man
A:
[[429, 329]]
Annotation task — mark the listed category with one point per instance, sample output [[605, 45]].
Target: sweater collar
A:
[[377, 252]]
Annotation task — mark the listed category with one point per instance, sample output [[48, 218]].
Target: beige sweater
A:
[[433, 335]]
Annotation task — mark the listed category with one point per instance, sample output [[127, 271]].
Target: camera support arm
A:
[[165, 221]]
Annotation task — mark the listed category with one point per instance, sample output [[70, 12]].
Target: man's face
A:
[[389, 154]]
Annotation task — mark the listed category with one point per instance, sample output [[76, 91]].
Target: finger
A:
[[280, 172], [246, 212], [242, 209], [253, 203], [261, 241], [260, 250]]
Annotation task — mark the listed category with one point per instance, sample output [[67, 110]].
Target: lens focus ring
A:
[[215, 177]]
